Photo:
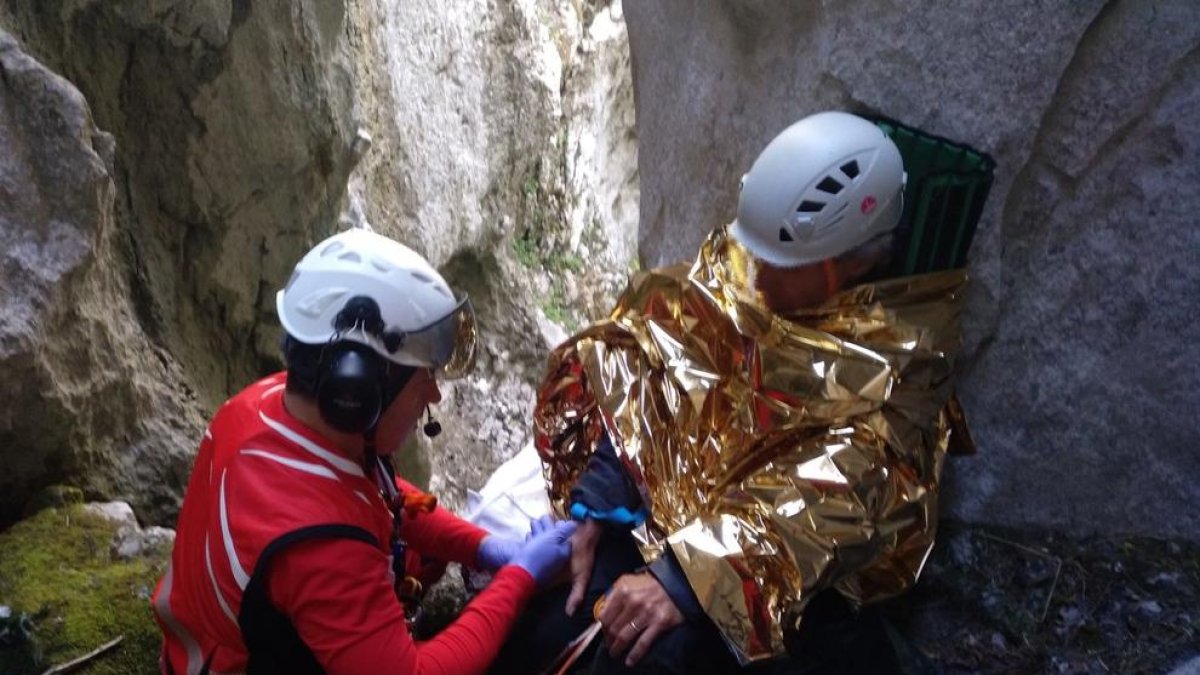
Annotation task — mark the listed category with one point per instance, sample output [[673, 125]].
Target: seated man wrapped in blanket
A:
[[771, 421]]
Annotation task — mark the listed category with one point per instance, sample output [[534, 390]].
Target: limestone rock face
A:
[[83, 393], [143, 261], [140, 263], [1081, 371], [502, 147]]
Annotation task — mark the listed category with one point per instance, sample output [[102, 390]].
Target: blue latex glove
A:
[[546, 552], [539, 526], [495, 552]]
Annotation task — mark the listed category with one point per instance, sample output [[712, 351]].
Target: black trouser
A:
[[544, 628], [834, 639]]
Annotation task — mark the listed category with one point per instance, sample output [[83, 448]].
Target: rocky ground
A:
[[1002, 601]]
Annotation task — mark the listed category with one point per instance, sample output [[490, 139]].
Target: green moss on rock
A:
[[58, 568]]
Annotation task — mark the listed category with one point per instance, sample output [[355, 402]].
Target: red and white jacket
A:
[[283, 547]]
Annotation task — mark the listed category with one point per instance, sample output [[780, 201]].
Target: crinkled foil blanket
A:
[[779, 456]]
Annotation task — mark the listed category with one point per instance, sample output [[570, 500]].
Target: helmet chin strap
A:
[[379, 467], [410, 503]]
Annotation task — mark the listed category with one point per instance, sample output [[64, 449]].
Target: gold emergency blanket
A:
[[778, 456]]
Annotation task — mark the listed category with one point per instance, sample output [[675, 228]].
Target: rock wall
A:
[[233, 141], [140, 262], [503, 148], [1081, 372], [83, 390]]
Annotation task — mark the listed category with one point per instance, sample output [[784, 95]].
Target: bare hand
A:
[[636, 612], [583, 557]]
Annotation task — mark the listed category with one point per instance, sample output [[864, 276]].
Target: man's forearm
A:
[[604, 492]]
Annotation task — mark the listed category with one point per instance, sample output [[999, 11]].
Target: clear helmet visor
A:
[[447, 345]]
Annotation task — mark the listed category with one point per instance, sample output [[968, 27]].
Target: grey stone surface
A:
[[502, 148], [497, 139], [230, 138], [233, 125], [129, 538], [1189, 667], [1082, 369], [83, 393]]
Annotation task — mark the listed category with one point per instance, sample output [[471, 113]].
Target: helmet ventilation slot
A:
[[830, 185]]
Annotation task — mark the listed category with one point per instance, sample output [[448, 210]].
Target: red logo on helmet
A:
[[868, 205]]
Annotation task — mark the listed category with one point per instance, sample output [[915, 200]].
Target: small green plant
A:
[[541, 238], [565, 262], [536, 200], [555, 309], [529, 186], [527, 253]]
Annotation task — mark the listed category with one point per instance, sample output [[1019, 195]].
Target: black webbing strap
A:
[[271, 639]]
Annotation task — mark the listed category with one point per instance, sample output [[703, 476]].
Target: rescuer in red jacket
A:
[[297, 547]]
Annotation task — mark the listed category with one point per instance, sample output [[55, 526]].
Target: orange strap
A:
[[414, 503], [832, 283]]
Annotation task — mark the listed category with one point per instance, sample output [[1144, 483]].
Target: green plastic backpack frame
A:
[[948, 184]]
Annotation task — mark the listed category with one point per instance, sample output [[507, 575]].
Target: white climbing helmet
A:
[[828, 183], [419, 323]]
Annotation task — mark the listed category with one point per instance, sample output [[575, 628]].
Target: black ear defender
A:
[[432, 427], [350, 387], [350, 376]]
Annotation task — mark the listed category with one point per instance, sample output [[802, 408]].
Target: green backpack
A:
[[948, 184]]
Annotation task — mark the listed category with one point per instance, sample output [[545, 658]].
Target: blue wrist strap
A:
[[618, 516]]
